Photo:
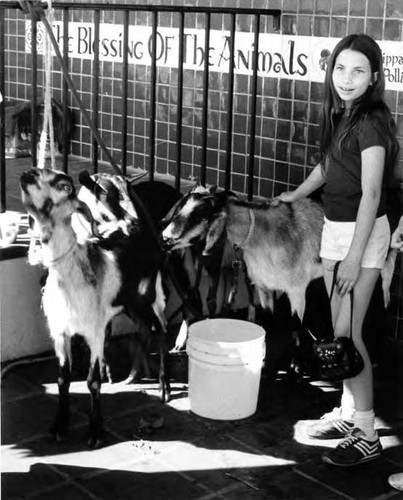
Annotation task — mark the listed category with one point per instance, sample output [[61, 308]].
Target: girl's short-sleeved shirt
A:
[[342, 192]]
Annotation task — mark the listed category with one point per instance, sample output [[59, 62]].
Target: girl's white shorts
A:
[[337, 238]]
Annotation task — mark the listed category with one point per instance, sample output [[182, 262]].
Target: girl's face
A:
[[351, 75]]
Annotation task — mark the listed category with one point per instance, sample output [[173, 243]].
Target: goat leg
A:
[[164, 379], [96, 420], [107, 361], [61, 424], [212, 296], [139, 356]]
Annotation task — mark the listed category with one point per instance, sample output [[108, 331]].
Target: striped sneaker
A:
[[354, 450], [330, 426]]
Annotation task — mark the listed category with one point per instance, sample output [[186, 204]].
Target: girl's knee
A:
[[342, 326]]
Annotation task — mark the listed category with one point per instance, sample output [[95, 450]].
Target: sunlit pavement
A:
[[184, 456]]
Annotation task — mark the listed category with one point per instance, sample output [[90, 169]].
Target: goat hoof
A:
[[165, 395], [59, 432], [57, 436], [95, 442], [107, 378], [131, 379]]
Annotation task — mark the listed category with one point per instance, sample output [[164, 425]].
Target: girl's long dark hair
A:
[[371, 103]]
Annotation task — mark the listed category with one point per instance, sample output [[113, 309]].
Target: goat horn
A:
[[134, 178]]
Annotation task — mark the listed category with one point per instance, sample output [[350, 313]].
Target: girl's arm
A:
[[372, 160], [397, 237], [314, 181]]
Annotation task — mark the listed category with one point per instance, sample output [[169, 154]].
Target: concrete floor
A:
[[266, 456]]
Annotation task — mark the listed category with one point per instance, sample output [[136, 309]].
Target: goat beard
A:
[[40, 235]]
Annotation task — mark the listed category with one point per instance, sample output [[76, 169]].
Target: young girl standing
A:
[[358, 148]]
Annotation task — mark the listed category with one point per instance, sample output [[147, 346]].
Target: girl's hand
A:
[[397, 239], [287, 197], [347, 276]]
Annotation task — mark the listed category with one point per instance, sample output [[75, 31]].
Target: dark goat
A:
[[89, 283], [112, 200]]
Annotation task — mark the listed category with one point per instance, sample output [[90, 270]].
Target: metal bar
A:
[[66, 134], [155, 9], [180, 102], [203, 172], [95, 90], [253, 97], [125, 73], [276, 13], [34, 86], [230, 105], [2, 117], [153, 95], [73, 90]]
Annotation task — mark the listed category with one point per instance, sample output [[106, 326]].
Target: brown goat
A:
[[280, 242]]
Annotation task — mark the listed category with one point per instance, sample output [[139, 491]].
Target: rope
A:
[[251, 229], [47, 112], [238, 261], [36, 11]]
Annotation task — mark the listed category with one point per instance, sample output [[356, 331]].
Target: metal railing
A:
[[156, 10]]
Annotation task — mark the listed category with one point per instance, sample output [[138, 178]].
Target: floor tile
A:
[[64, 492], [119, 485], [365, 481], [27, 482], [15, 387]]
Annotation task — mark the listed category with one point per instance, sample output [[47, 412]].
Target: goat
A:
[[111, 201], [280, 242], [88, 284]]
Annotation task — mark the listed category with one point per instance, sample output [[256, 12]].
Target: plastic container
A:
[[225, 362]]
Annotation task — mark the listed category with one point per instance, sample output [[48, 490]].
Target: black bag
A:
[[338, 359]]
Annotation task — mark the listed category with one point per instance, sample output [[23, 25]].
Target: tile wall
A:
[[287, 110]]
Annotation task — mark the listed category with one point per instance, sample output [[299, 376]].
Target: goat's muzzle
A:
[[168, 244], [28, 178]]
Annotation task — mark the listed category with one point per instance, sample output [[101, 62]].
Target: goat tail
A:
[[387, 275], [160, 302]]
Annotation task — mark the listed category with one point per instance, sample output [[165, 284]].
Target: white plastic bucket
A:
[[225, 362]]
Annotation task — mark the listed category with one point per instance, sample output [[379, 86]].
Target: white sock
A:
[[365, 420], [347, 406]]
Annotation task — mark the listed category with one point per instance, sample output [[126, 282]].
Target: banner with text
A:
[[280, 56]]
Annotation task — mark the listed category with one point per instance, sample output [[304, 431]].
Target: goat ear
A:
[[169, 216], [83, 209], [215, 232], [135, 177], [85, 179]]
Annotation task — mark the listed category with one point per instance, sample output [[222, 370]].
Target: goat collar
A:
[[250, 232], [52, 262]]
